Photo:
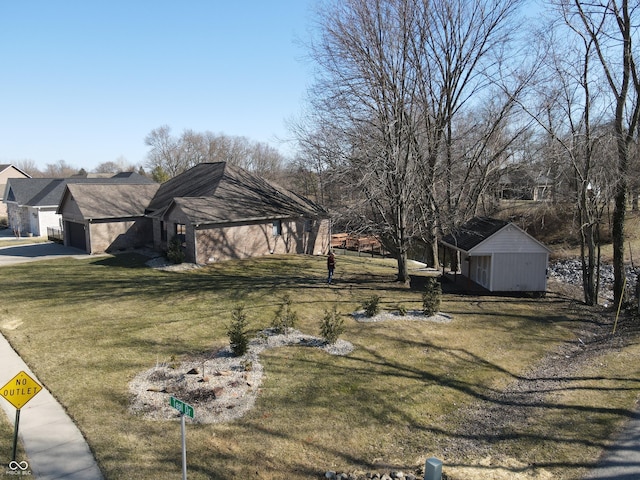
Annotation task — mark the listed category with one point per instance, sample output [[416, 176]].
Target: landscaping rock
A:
[[570, 271], [358, 475]]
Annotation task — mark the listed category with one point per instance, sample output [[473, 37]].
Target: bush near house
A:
[[431, 297], [175, 252], [332, 325], [237, 331], [371, 306], [285, 318]]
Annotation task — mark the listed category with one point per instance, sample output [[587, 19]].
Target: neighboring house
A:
[[516, 185], [32, 203], [520, 184], [106, 217], [498, 256], [218, 212], [7, 172], [542, 189]]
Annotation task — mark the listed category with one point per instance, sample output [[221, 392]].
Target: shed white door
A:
[[481, 270], [520, 272]]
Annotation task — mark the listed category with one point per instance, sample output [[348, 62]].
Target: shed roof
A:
[[473, 232], [218, 193], [105, 201]]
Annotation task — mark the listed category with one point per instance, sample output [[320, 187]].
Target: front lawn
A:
[[87, 327]]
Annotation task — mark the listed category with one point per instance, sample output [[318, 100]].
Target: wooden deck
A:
[[358, 243]]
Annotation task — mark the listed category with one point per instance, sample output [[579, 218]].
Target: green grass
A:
[[87, 327], [6, 443]]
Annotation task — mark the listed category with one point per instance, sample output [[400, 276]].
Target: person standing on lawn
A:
[[331, 265]]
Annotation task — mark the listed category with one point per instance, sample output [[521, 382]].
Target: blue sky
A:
[[86, 81]]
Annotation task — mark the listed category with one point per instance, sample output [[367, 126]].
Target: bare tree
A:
[[322, 150], [396, 79], [29, 167], [170, 155], [573, 128], [612, 26], [119, 165], [365, 96], [166, 154], [59, 169], [461, 50]]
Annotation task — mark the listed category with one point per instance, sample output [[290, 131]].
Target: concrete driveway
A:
[[11, 255]]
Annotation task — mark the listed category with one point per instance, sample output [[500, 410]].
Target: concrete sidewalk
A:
[[622, 460], [54, 446]]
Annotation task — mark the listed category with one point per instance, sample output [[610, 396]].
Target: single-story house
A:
[[219, 211], [32, 203], [215, 210], [498, 255], [8, 171], [106, 217]]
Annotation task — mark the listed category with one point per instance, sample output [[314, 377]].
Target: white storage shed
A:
[[499, 256]]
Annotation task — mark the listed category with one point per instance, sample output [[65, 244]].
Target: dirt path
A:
[[503, 415]]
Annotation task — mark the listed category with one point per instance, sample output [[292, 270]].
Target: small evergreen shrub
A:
[[285, 317], [332, 325], [371, 306], [432, 297], [175, 253], [237, 331], [173, 362]]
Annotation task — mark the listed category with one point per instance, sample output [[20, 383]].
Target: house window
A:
[[181, 232], [277, 228], [308, 225]]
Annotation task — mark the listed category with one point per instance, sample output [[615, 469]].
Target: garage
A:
[[75, 234]]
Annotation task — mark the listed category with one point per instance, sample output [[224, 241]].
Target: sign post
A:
[[184, 409], [18, 391]]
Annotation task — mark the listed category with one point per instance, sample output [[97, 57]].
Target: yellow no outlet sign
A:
[[20, 389]]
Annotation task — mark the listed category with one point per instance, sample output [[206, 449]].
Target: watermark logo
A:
[[18, 468]]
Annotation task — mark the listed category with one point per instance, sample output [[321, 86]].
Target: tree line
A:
[[430, 107], [424, 113], [169, 155]]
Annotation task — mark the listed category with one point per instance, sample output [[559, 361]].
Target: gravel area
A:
[[569, 271], [221, 387], [410, 315]]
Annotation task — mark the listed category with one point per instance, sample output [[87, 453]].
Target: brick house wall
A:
[[121, 235], [214, 243], [293, 236]]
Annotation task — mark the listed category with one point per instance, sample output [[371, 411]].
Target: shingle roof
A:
[[23, 191], [474, 232], [219, 192], [5, 166], [111, 200], [47, 192], [199, 181]]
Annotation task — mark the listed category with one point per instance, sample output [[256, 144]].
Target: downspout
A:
[[195, 246]]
